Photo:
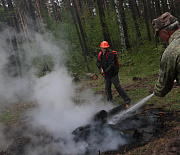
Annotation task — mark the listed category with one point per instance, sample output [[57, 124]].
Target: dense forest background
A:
[[79, 26]]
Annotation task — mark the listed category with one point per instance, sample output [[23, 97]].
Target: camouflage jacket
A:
[[169, 66]]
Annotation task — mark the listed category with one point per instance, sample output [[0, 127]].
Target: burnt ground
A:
[[166, 137], [157, 132]]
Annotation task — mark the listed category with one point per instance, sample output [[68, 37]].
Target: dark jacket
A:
[[107, 62]]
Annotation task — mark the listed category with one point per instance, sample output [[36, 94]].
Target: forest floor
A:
[[167, 142]]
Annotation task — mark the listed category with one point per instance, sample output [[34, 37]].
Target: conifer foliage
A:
[[84, 23]]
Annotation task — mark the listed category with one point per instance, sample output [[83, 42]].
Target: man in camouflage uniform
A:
[[168, 29]]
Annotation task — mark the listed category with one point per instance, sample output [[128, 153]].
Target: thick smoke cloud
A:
[[3, 141], [56, 112], [4, 50]]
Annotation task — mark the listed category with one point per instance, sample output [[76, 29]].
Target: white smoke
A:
[[4, 50], [3, 141], [58, 114], [56, 111]]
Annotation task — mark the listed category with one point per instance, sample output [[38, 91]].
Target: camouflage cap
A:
[[163, 21]]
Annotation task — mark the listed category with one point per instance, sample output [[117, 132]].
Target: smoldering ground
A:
[[56, 114]]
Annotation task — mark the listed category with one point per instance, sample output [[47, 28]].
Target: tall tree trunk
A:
[[172, 8], [158, 8], [146, 17], [11, 65], [123, 17], [154, 8], [136, 10], [121, 31], [44, 9], [103, 23], [139, 6], [177, 9], [59, 11], [151, 10], [135, 21], [106, 6], [32, 20], [23, 35], [78, 33], [41, 4], [88, 3], [54, 11], [85, 12], [13, 17], [82, 30], [21, 18], [14, 40], [85, 52], [164, 6], [38, 11], [80, 6], [48, 9]]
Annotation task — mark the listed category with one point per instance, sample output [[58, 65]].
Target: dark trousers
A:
[[116, 82]]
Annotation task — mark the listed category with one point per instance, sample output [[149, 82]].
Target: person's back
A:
[[173, 52], [167, 28]]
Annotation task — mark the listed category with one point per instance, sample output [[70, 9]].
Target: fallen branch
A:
[[92, 76], [129, 62]]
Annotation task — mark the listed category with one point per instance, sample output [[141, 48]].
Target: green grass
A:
[[9, 116], [144, 65], [14, 112]]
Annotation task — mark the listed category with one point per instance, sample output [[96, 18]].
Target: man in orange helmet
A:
[[107, 62]]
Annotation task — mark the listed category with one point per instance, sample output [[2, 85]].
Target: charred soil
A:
[[164, 138]]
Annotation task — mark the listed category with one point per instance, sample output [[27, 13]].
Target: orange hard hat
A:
[[104, 44]]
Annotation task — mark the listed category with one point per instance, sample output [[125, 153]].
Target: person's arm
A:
[[98, 60], [166, 77], [98, 63]]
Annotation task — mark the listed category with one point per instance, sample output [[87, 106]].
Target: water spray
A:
[[123, 114]]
